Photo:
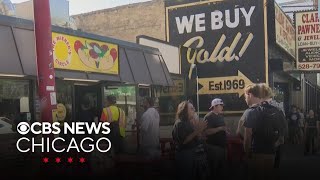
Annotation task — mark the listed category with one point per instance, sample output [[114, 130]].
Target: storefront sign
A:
[[176, 90], [226, 40], [75, 53], [224, 85], [61, 112], [24, 104], [307, 40], [53, 98], [285, 32]]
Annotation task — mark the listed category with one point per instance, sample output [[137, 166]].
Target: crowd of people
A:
[[201, 144], [263, 128], [304, 128]]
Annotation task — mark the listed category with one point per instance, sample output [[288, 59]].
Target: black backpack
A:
[[272, 122]]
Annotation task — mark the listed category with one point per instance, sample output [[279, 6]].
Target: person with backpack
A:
[[262, 131], [117, 119], [280, 120]]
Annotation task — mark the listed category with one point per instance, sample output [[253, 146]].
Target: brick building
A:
[[126, 22]]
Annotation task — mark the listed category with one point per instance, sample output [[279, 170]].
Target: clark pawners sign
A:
[[307, 40], [226, 40]]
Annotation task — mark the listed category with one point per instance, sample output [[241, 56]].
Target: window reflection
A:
[[126, 100], [14, 104]]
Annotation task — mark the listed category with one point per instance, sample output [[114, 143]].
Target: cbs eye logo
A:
[[23, 128]]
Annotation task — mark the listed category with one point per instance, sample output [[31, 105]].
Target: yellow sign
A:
[[61, 112], [224, 85], [54, 115], [176, 90], [75, 53]]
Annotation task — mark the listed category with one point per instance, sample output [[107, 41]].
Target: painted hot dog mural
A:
[[95, 56], [81, 54]]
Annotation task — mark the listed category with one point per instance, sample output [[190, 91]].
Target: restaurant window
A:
[[126, 100], [15, 103]]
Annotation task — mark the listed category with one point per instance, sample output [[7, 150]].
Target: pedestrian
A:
[[312, 129], [149, 131], [117, 119], [190, 156], [261, 133], [86, 114], [216, 139], [293, 125], [280, 120], [301, 125]]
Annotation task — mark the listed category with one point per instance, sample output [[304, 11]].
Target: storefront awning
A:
[[138, 64], [143, 67], [9, 56]]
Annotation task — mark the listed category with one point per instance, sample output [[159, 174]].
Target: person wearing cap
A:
[[117, 119], [216, 138]]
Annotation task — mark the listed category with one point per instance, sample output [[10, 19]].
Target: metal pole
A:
[[45, 67], [303, 87], [197, 92]]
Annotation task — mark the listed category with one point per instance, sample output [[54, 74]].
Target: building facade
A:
[[149, 18]]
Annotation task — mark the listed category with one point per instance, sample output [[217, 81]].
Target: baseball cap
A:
[[215, 102]]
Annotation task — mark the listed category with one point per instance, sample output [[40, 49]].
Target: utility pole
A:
[[44, 56]]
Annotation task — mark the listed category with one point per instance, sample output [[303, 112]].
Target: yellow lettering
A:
[[214, 55], [205, 56], [187, 44], [201, 55], [230, 55]]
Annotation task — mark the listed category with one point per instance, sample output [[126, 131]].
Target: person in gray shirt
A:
[[149, 131]]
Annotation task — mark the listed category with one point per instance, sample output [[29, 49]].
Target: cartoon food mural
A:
[[82, 54], [95, 56]]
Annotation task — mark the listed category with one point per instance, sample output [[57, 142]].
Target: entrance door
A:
[[93, 92]]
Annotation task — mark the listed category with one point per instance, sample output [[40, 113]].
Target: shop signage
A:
[[285, 31], [227, 41], [307, 40], [61, 112], [176, 90], [224, 85], [80, 54]]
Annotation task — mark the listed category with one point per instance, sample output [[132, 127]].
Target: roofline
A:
[[29, 25], [153, 39], [114, 8]]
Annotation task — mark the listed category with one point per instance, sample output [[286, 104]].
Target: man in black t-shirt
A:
[[216, 138], [260, 133]]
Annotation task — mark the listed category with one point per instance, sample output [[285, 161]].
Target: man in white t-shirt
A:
[[149, 130]]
